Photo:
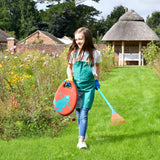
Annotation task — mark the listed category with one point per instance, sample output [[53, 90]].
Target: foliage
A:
[[61, 19], [29, 18], [74, 1], [152, 56], [104, 25], [98, 39], [151, 52], [154, 22], [64, 18], [20, 16], [5, 22]]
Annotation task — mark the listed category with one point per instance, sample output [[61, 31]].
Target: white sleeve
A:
[[97, 56], [71, 58]]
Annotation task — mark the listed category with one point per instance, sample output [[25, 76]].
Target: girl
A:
[[83, 68]]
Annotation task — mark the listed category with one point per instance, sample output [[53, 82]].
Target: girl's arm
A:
[[69, 70], [97, 70]]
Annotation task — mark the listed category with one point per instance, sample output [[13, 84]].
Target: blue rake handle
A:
[[113, 111]]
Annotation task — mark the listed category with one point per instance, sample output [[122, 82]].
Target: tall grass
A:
[[107, 64], [156, 65], [28, 82]]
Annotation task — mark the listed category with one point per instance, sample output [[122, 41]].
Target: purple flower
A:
[[25, 59]]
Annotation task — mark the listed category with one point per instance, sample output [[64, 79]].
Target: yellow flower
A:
[[28, 76], [15, 78], [14, 67], [22, 78], [0, 66]]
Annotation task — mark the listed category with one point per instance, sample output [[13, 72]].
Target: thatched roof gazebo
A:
[[129, 34]]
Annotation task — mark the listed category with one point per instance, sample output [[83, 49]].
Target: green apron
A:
[[84, 80]]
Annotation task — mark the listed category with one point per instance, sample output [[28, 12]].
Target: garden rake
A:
[[116, 119]]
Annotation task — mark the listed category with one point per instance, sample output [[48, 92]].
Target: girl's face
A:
[[79, 38]]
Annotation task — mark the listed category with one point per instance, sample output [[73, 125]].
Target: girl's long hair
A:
[[87, 46]]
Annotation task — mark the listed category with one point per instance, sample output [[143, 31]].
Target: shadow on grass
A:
[[115, 138]]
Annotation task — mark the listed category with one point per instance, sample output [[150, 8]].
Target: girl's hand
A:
[[69, 79], [97, 85]]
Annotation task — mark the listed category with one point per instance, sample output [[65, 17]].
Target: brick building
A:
[[6, 41], [40, 37]]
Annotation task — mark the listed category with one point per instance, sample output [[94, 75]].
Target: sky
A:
[[142, 7]]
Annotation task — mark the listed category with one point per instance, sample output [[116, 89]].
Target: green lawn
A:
[[134, 92]]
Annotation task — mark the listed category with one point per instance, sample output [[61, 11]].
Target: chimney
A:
[[10, 43]]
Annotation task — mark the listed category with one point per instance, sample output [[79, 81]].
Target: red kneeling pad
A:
[[65, 98]]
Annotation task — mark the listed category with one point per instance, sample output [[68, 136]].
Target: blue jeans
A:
[[82, 120]]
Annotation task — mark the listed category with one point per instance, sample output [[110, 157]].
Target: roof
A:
[[3, 36], [46, 34], [66, 40], [130, 27], [51, 37], [131, 16]]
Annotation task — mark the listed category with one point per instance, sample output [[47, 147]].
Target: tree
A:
[[29, 18], [63, 1], [5, 23], [20, 16], [65, 18], [103, 25], [154, 22], [113, 17]]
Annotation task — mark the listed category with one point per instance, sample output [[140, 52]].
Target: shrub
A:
[[152, 56], [151, 52]]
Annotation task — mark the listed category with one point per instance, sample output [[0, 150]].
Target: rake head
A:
[[117, 120]]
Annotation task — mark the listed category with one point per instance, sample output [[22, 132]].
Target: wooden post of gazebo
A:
[[122, 53], [140, 54]]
